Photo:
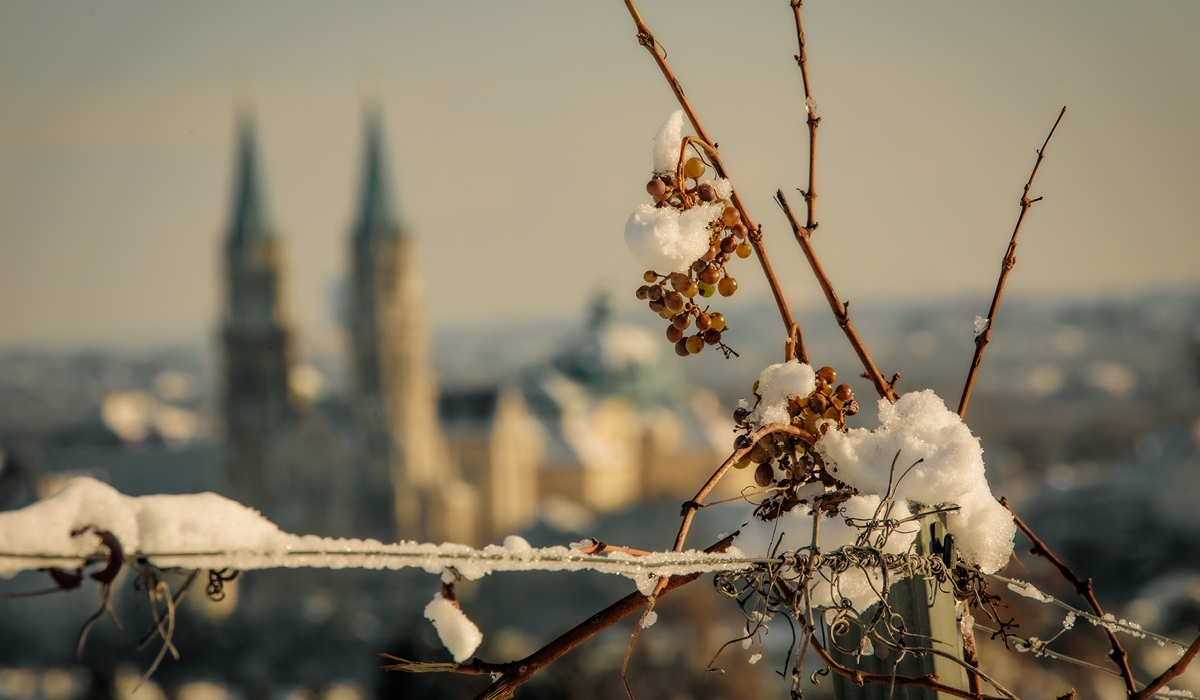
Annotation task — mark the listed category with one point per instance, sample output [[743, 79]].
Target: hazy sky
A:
[[519, 135]]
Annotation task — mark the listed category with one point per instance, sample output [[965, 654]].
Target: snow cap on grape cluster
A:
[[777, 384], [666, 239]]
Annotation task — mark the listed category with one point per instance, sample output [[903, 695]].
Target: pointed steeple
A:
[[249, 218], [377, 216]]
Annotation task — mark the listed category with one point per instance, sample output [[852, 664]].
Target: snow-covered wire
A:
[[1107, 622]]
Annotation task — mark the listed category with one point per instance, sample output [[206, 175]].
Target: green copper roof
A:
[[377, 215], [250, 218]]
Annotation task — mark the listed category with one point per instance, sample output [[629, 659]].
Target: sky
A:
[[519, 138]]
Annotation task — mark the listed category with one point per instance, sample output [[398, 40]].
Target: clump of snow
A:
[[149, 525], [920, 427], [666, 239], [516, 543], [755, 659], [667, 144], [981, 325], [722, 187], [459, 635], [777, 384]]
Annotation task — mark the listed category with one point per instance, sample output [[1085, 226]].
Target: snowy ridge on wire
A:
[[207, 531]]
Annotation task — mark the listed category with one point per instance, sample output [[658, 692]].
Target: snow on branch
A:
[[207, 531]]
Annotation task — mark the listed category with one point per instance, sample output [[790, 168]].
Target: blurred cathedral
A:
[[604, 423]]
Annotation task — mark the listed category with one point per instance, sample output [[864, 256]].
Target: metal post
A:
[[929, 618]]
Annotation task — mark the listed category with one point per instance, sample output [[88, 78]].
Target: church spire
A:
[[377, 216], [249, 219]]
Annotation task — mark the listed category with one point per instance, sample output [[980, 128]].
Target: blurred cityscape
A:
[[1089, 413]]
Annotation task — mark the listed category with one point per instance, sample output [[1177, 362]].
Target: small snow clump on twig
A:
[[459, 635]]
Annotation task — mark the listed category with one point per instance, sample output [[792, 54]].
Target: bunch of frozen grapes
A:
[[826, 408], [672, 296]]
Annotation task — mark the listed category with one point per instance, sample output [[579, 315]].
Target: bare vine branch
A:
[[1010, 260], [518, 672], [1168, 675], [810, 108], [841, 311], [646, 39], [1084, 589]]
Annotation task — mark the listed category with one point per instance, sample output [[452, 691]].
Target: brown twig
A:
[[518, 672], [860, 677], [646, 39], [1168, 675], [1084, 589], [690, 507], [841, 311], [810, 108], [1010, 260]]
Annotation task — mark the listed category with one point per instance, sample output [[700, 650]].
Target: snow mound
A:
[[920, 427]]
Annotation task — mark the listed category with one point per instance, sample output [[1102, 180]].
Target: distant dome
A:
[[618, 359]]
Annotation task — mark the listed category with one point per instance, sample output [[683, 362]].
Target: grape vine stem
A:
[[1084, 589], [1006, 266], [646, 39], [841, 311]]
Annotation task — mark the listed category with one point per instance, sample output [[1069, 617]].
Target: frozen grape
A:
[[693, 168], [764, 475], [674, 334], [710, 275], [674, 302], [649, 276], [681, 348], [656, 188], [743, 250], [682, 321], [680, 281], [717, 320], [703, 322], [730, 217], [706, 290], [695, 344], [828, 374], [740, 230], [712, 336], [706, 192], [643, 292], [727, 286]]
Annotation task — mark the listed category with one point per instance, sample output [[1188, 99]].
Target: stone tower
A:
[[395, 394], [254, 334]]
